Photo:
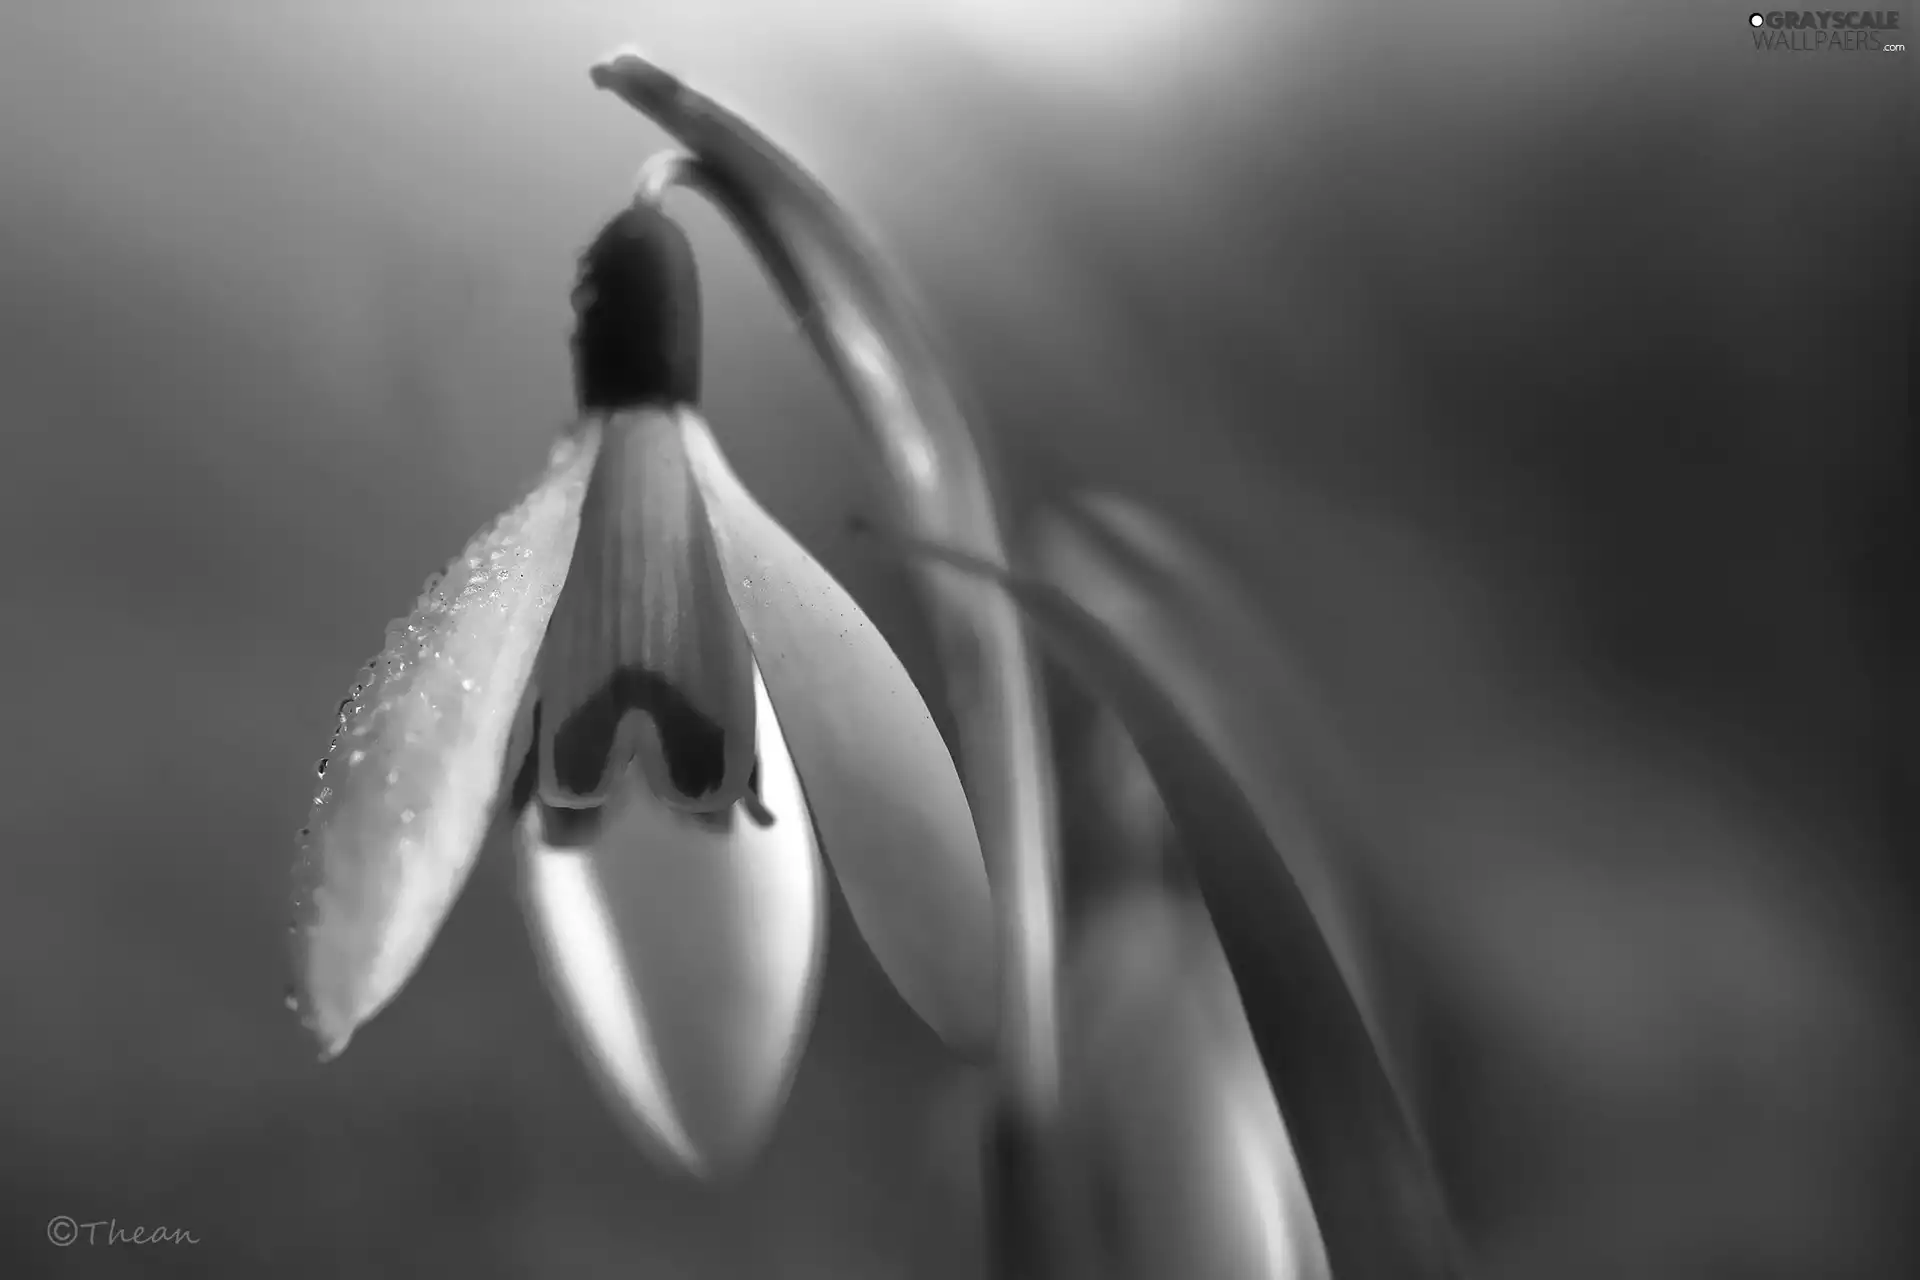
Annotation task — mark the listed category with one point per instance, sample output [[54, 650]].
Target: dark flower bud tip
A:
[[636, 337]]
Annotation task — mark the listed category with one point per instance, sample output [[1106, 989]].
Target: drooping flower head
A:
[[679, 704]]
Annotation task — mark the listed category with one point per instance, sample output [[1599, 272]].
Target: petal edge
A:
[[409, 783], [894, 821]]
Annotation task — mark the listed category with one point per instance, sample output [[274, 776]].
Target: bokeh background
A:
[[1540, 369]]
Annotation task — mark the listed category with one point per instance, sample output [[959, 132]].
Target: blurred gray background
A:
[[1539, 366]]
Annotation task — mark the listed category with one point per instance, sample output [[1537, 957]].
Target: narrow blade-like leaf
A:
[[1183, 618], [1175, 1126], [1379, 1206]]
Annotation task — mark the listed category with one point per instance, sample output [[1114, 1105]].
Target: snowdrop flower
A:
[[672, 701], [866, 329]]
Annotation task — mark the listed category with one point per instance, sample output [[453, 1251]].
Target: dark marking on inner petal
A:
[[756, 807], [583, 744], [693, 746]]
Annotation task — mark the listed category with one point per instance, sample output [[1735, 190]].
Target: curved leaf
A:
[[1378, 1203], [1178, 1133], [407, 790], [893, 820], [684, 950], [1182, 617]]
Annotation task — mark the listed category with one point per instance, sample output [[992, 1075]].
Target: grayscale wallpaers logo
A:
[[1828, 31]]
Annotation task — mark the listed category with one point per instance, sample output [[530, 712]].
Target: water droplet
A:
[[469, 684], [746, 582], [291, 1000], [406, 815], [320, 770], [356, 756], [393, 776], [305, 832]]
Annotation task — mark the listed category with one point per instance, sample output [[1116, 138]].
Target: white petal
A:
[[685, 951], [645, 631], [894, 822], [408, 788], [1166, 1091]]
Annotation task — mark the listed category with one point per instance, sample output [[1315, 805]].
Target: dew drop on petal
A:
[[383, 860], [320, 770], [291, 1000]]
